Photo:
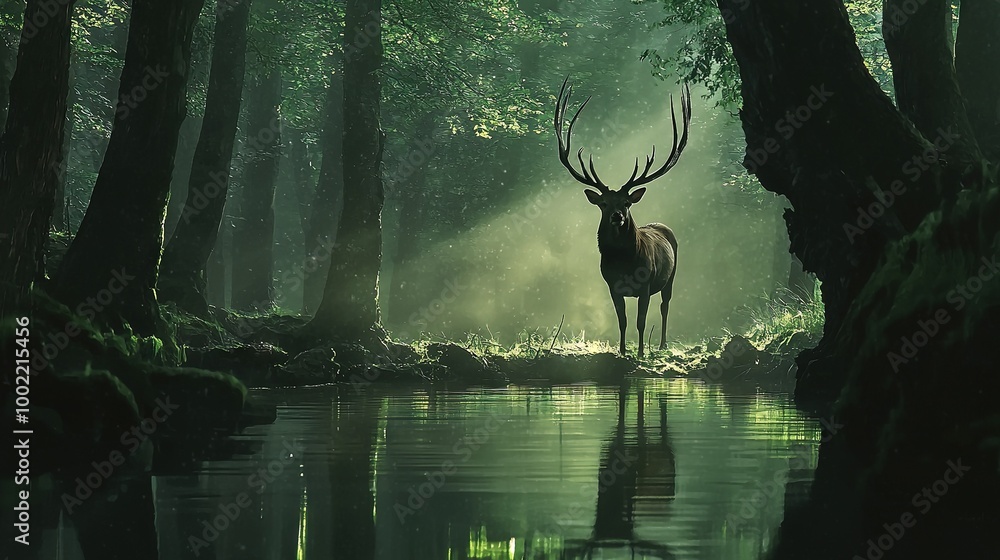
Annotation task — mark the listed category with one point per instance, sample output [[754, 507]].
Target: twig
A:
[[559, 330], [553, 344], [649, 339]]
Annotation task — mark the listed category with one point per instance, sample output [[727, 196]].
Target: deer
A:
[[636, 261]]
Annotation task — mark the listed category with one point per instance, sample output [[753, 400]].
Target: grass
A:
[[778, 318], [771, 322]]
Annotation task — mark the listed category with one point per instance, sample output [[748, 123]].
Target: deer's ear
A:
[[636, 195], [593, 196]]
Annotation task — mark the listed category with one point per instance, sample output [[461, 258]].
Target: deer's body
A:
[[636, 261]]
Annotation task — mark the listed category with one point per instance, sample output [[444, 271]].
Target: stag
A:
[[636, 261]]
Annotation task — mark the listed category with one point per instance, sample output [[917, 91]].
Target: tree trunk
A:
[[918, 39], [29, 151], [215, 276], [350, 300], [977, 58], [110, 270], [253, 239], [8, 58], [302, 177], [874, 216], [830, 169], [186, 256], [60, 219], [328, 201]]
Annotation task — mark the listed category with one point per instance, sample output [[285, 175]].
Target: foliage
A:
[[705, 56], [454, 59]]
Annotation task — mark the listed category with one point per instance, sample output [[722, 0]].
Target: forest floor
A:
[[263, 351]]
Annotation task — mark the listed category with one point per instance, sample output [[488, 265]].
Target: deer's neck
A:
[[618, 241]]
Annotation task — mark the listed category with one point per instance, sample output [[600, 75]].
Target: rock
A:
[[736, 357], [463, 364], [253, 364], [556, 367]]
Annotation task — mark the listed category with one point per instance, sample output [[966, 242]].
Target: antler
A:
[[675, 151], [584, 176]]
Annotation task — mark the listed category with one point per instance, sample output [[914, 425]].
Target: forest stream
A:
[[687, 471]]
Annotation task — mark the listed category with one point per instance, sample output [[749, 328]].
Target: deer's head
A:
[[615, 203]]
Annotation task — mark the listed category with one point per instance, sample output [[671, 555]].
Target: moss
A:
[[94, 386], [79, 417], [195, 331]]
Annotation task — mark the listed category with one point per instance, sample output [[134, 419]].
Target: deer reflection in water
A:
[[637, 470]]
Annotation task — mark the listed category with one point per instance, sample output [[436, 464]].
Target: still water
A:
[[665, 468]]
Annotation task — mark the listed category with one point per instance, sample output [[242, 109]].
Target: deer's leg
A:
[[622, 320], [664, 307], [641, 321]]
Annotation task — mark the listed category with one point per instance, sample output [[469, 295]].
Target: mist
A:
[[500, 257]]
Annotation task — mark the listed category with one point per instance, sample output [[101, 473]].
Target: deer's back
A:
[[659, 244]]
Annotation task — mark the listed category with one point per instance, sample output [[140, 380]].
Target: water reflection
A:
[[662, 468], [632, 468]]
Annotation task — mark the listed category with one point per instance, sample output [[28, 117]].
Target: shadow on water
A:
[[663, 468]]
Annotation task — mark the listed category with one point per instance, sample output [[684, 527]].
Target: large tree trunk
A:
[[302, 176], [831, 170], [893, 282], [328, 201], [8, 58], [116, 253], [60, 218], [186, 256], [919, 41], [29, 151], [350, 301], [253, 239], [977, 58]]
